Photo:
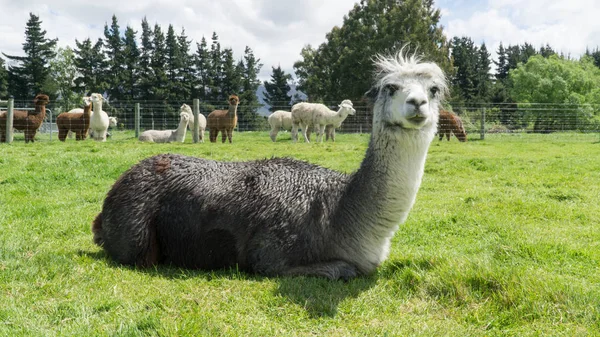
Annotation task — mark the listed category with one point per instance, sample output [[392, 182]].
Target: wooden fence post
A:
[[137, 120], [10, 112], [482, 131], [196, 129]]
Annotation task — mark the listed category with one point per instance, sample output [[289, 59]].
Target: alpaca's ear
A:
[[372, 93]]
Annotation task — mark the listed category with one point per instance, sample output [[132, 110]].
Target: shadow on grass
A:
[[318, 296], [321, 297]]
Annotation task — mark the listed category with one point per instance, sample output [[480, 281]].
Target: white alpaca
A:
[[99, 120], [319, 116], [279, 119], [285, 216], [201, 121], [112, 122], [168, 136]]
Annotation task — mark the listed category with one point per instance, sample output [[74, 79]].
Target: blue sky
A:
[[276, 30]]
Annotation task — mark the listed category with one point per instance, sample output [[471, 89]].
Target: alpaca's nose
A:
[[417, 102]]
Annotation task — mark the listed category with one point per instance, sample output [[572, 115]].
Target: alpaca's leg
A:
[[273, 133], [304, 132], [212, 136], [62, 134], [320, 131], [229, 134], [333, 270], [309, 131], [295, 132], [448, 135], [201, 135], [223, 135]]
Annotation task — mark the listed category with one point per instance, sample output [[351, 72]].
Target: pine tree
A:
[[131, 55], [464, 56], [89, 61], [484, 82], [202, 62], [215, 70], [187, 79], [501, 64], [276, 90], [159, 59], [527, 51], [115, 59], [3, 79], [248, 118], [546, 51], [28, 77], [146, 74], [173, 65], [230, 78]]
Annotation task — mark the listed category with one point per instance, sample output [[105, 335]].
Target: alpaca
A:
[[168, 136], [450, 123], [282, 216], [99, 120], [282, 119], [279, 119], [201, 120], [78, 123], [319, 116], [112, 122], [223, 120], [27, 121]]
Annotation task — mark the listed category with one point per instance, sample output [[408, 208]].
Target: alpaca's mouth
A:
[[418, 119]]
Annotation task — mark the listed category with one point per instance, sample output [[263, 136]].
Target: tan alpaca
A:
[[223, 120]]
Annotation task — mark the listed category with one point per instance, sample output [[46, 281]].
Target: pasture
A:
[[504, 239]]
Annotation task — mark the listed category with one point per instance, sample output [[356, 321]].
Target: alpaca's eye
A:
[[392, 88], [434, 91]]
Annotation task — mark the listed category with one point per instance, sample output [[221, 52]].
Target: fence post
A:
[[482, 131], [50, 116], [137, 120], [9, 120], [196, 129]]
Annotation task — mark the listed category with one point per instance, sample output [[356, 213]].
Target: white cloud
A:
[[276, 30], [567, 26]]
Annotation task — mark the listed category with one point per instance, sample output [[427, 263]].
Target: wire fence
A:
[[478, 120]]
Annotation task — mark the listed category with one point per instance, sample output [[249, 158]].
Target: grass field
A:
[[504, 240]]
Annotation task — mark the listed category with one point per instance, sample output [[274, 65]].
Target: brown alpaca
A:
[[450, 123], [27, 121], [77, 122], [223, 120]]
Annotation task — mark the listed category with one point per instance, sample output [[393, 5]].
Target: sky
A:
[[276, 30]]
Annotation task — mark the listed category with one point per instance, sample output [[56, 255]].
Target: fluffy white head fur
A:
[[416, 87]]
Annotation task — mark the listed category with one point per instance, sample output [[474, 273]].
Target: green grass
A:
[[504, 239]]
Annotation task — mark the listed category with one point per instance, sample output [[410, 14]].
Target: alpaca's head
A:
[[233, 100], [87, 101], [185, 109], [346, 108], [407, 93], [112, 122], [41, 99], [97, 101], [184, 118]]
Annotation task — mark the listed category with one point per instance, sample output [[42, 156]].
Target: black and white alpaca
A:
[[282, 216]]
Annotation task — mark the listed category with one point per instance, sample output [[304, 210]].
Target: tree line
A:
[[166, 66]]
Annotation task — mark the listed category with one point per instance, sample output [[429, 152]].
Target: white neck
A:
[[382, 192]]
